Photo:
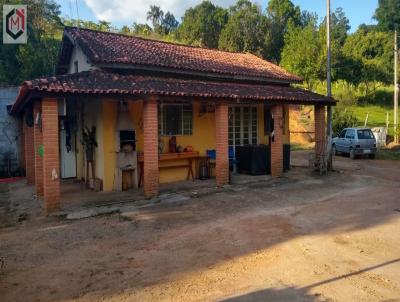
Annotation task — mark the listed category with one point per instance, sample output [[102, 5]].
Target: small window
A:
[[365, 134], [342, 134], [175, 119], [76, 67]]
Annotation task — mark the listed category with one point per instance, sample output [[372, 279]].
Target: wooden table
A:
[[165, 157]]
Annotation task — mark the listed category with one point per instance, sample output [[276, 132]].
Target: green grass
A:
[[298, 147], [377, 116], [385, 154]]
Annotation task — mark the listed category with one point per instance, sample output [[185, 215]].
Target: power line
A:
[[70, 9], [77, 11]]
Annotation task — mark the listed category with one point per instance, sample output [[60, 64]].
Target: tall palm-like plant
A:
[[155, 15], [89, 141]]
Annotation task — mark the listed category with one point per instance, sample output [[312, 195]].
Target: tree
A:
[[125, 30], [372, 51], [342, 119], [25, 61], [100, 25], [340, 26], [156, 16], [279, 13], [306, 61], [388, 14], [245, 29], [169, 23], [201, 25], [139, 29]]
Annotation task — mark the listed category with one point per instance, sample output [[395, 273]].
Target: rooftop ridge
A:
[[115, 48], [162, 41]]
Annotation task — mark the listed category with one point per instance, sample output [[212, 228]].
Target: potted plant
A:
[[89, 142]]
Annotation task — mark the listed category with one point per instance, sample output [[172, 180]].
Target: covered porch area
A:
[[149, 131]]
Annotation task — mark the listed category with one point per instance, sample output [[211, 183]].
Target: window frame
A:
[[371, 134], [161, 117], [241, 125]]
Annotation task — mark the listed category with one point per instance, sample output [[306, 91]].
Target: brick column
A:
[[51, 160], [38, 141], [319, 118], [21, 139], [222, 147], [150, 148], [29, 153], [277, 144]]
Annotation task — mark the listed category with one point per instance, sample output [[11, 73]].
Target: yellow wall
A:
[[262, 137], [286, 129], [202, 139], [80, 167], [103, 115], [92, 116], [109, 156]]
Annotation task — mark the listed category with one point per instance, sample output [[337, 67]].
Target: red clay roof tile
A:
[[105, 47], [101, 82]]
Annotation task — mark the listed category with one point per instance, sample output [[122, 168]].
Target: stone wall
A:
[[9, 134]]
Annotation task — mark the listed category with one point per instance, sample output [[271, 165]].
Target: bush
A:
[[342, 119]]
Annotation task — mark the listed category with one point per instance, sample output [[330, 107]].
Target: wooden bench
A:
[[165, 157]]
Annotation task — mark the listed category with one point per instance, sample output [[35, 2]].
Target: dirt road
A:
[[302, 238]]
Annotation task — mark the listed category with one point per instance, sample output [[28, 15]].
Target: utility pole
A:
[[329, 85], [396, 91]]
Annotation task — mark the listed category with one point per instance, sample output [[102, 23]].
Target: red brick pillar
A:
[[319, 117], [222, 147], [38, 141], [29, 153], [150, 148], [277, 143], [22, 161], [51, 160]]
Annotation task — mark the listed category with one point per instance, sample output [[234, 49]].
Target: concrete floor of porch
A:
[[75, 194]]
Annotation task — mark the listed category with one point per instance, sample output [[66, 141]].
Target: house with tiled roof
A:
[[124, 111]]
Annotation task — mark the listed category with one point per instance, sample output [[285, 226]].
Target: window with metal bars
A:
[[175, 119]]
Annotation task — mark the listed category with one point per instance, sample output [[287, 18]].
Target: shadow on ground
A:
[[118, 254]]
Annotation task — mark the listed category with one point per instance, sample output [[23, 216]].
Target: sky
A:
[[125, 12]]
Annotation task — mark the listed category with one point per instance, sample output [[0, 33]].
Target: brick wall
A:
[[320, 136], [22, 143], [29, 154], [38, 141], [51, 161], [222, 147], [277, 144], [150, 148]]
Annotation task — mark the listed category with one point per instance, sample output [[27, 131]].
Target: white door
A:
[[68, 155], [242, 126]]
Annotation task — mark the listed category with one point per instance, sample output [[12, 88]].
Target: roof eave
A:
[[24, 97], [21, 100]]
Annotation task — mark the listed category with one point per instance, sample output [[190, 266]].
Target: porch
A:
[[75, 196], [151, 136]]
